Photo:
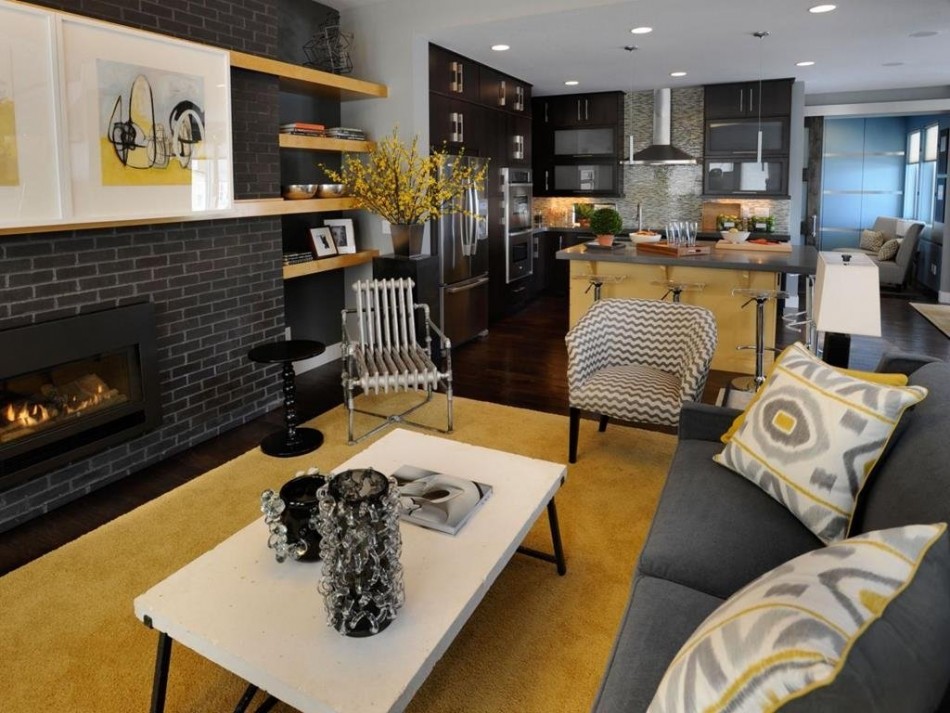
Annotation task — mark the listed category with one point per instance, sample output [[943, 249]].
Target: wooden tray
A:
[[713, 209], [662, 248], [771, 247]]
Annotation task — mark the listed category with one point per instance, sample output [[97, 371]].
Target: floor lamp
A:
[[847, 301]]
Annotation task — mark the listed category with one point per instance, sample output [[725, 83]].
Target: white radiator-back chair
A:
[[385, 355]]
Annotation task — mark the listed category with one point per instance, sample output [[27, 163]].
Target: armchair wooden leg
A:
[[603, 424], [572, 439]]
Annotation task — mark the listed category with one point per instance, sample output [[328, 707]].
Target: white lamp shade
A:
[[847, 294]]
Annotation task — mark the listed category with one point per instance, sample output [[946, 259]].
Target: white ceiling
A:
[[713, 42]]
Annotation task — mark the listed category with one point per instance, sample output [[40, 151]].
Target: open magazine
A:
[[436, 500]]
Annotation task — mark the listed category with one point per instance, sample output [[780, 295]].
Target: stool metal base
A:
[[284, 445], [746, 383]]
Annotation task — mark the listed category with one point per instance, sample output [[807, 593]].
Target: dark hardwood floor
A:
[[522, 362]]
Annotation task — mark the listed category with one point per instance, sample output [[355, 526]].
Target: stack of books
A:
[[339, 132], [294, 258], [303, 128]]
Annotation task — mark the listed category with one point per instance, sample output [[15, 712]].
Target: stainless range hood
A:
[[661, 152]]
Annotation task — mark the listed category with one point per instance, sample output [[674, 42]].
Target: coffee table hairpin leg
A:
[[160, 682], [558, 556]]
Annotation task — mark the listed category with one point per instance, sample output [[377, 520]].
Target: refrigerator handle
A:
[[467, 286]]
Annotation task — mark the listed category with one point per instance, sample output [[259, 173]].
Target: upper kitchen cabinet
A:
[[500, 91], [578, 144], [456, 125], [453, 74], [580, 109], [742, 99]]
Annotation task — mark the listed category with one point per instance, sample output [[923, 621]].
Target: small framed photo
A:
[[321, 242], [343, 235]]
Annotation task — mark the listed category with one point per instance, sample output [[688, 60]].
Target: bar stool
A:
[[291, 441], [596, 282], [677, 288], [760, 297]]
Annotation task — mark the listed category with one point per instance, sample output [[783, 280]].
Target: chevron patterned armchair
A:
[[637, 360]]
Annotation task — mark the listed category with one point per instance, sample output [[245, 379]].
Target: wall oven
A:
[[516, 212]]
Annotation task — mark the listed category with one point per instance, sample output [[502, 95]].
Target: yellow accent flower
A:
[[404, 187]]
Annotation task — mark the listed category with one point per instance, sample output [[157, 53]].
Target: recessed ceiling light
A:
[[677, 74], [924, 33], [806, 63], [893, 64], [818, 9], [500, 48], [642, 30], [571, 83]]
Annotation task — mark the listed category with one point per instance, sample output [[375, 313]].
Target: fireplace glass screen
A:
[[48, 398]]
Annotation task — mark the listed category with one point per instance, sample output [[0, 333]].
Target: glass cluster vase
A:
[[288, 517], [358, 522]]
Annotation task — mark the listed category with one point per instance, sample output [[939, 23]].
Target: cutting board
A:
[[747, 246], [712, 209], [674, 250]]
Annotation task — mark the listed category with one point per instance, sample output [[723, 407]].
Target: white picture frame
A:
[[31, 171], [344, 235], [322, 243], [148, 123]]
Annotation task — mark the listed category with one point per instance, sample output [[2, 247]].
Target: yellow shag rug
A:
[[538, 642], [937, 315]]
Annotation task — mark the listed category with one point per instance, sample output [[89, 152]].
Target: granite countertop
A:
[[625, 232], [802, 260]]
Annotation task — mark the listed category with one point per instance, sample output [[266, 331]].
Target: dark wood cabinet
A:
[[501, 91], [456, 125], [580, 109], [578, 144], [453, 74], [732, 137], [732, 176], [742, 99]]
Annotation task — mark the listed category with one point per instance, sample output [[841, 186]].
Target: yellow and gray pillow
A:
[[813, 435], [860, 625]]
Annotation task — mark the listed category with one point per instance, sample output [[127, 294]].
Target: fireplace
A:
[[73, 386]]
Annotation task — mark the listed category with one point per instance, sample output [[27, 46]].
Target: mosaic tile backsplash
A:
[[664, 193]]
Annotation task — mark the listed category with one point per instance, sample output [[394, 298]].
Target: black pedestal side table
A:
[[291, 441]]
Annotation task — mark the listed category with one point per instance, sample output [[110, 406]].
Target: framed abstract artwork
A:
[[147, 123], [31, 189], [343, 234]]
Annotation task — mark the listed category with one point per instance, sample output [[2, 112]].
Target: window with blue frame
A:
[[920, 173]]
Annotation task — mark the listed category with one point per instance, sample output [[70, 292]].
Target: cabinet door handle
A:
[[461, 78], [461, 128], [519, 98], [546, 181], [578, 109], [751, 94], [502, 89], [518, 151], [741, 100], [455, 83], [586, 110], [545, 112]]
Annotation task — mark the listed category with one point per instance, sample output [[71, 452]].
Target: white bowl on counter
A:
[[737, 237], [638, 238]]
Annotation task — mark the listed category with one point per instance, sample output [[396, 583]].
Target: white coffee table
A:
[[264, 621]]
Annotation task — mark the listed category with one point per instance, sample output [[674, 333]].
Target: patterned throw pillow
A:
[[889, 249], [860, 625], [871, 240], [812, 437]]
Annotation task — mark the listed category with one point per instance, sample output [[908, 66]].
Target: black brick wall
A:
[[216, 285]]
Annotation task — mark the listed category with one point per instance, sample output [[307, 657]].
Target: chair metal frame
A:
[[387, 355]]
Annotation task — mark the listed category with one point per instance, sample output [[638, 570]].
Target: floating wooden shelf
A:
[[279, 206], [324, 264], [297, 78], [324, 143]]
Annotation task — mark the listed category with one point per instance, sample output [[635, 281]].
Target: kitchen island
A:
[[628, 273]]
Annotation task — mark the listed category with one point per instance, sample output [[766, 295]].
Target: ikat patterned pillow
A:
[[871, 240], [859, 625], [812, 437], [888, 250]]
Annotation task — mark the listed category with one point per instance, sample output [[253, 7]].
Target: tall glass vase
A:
[[358, 521], [407, 238]]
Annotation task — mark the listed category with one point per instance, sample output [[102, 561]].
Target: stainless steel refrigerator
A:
[[461, 241]]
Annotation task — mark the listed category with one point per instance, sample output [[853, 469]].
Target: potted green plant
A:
[[605, 223], [582, 213]]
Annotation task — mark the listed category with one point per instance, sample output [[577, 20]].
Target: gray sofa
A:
[[896, 271], [714, 531]]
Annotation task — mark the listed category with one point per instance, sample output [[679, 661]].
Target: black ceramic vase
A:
[[288, 516], [358, 522]]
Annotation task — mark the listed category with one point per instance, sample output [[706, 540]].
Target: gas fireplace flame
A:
[[27, 415]]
